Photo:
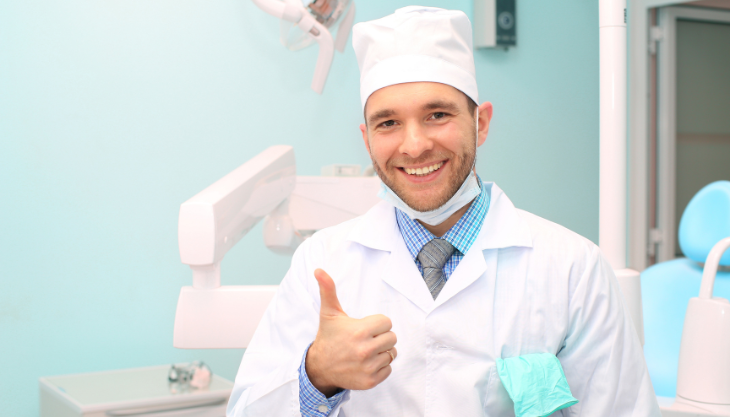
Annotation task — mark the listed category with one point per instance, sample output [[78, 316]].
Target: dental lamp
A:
[[211, 316], [301, 25]]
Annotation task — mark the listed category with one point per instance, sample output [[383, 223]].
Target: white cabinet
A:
[[140, 392]]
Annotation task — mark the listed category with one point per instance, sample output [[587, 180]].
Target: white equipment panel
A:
[[139, 392]]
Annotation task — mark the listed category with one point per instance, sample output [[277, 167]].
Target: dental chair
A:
[[668, 286]]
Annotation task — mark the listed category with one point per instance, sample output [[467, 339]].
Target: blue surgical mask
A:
[[468, 191]]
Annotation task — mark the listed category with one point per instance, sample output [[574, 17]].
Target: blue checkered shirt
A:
[[461, 236]]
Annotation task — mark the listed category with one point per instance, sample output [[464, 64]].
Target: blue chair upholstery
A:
[[706, 221], [667, 287]]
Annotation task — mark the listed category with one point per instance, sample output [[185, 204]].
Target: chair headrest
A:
[[706, 221]]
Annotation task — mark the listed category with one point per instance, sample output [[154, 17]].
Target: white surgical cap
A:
[[414, 44]]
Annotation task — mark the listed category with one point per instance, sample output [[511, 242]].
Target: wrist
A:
[[316, 377]]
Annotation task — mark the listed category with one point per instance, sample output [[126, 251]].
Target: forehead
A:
[[412, 96]]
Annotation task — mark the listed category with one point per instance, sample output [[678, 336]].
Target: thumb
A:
[[328, 295]]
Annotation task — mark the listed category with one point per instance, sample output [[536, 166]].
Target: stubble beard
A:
[[463, 165]]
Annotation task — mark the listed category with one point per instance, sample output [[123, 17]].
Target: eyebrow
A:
[[381, 114], [442, 105]]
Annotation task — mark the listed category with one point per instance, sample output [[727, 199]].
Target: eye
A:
[[438, 115], [388, 123]]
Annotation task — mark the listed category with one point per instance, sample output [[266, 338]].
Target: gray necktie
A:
[[433, 257]]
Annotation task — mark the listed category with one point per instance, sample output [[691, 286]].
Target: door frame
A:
[[641, 42], [667, 119]]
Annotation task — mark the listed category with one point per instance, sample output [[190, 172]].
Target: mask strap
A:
[[477, 131], [476, 139]]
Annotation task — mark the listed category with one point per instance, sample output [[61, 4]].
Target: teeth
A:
[[424, 170]]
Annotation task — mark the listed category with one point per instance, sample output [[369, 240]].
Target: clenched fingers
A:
[[384, 341], [377, 324]]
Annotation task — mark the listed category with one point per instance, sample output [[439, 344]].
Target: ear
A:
[[364, 131], [485, 116]]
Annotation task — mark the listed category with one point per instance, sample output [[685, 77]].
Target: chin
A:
[[426, 201]]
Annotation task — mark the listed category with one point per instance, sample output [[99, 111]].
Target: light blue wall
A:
[[114, 112]]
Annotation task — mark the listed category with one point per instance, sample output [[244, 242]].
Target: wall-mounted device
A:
[[495, 24]]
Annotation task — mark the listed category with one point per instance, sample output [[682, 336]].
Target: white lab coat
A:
[[526, 286]]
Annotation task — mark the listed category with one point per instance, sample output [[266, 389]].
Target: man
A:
[[446, 269]]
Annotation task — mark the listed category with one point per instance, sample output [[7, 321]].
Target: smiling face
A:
[[422, 139]]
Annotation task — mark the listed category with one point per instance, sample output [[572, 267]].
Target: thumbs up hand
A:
[[348, 353]]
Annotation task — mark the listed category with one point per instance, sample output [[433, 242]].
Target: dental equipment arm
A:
[[295, 12], [211, 316]]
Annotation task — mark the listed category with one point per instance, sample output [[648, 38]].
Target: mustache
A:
[[427, 157]]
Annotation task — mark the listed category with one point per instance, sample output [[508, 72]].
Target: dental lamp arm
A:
[[322, 35], [343, 33]]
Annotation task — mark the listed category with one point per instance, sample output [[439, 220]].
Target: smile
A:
[[423, 171]]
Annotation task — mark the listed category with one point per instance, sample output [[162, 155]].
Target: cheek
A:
[[383, 148], [451, 137]]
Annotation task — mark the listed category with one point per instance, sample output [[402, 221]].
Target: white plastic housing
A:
[[343, 32], [319, 202], [612, 177], [630, 283], [704, 354], [215, 219], [221, 318], [326, 50], [280, 236], [485, 22], [316, 203], [612, 171]]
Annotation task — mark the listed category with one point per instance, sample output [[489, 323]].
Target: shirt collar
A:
[[461, 235]]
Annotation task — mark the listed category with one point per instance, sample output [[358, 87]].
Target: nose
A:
[[415, 141]]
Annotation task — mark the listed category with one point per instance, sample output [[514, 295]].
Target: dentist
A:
[[418, 307]]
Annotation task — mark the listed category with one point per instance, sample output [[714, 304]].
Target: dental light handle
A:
[[704, 363], [345, 27], [326, 50]]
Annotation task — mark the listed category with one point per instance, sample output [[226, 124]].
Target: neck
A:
[[441, 229]]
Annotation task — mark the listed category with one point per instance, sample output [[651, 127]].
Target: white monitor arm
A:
[[266, 187], [218, 217]]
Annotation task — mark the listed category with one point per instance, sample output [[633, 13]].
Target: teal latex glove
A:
[[536, 384]]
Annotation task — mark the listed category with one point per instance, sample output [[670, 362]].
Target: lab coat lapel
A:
[[471, 267], [502, 228], [401, 273], [379, 230]]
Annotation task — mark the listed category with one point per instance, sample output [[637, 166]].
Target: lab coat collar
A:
[[503, 226], [377, 228]]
